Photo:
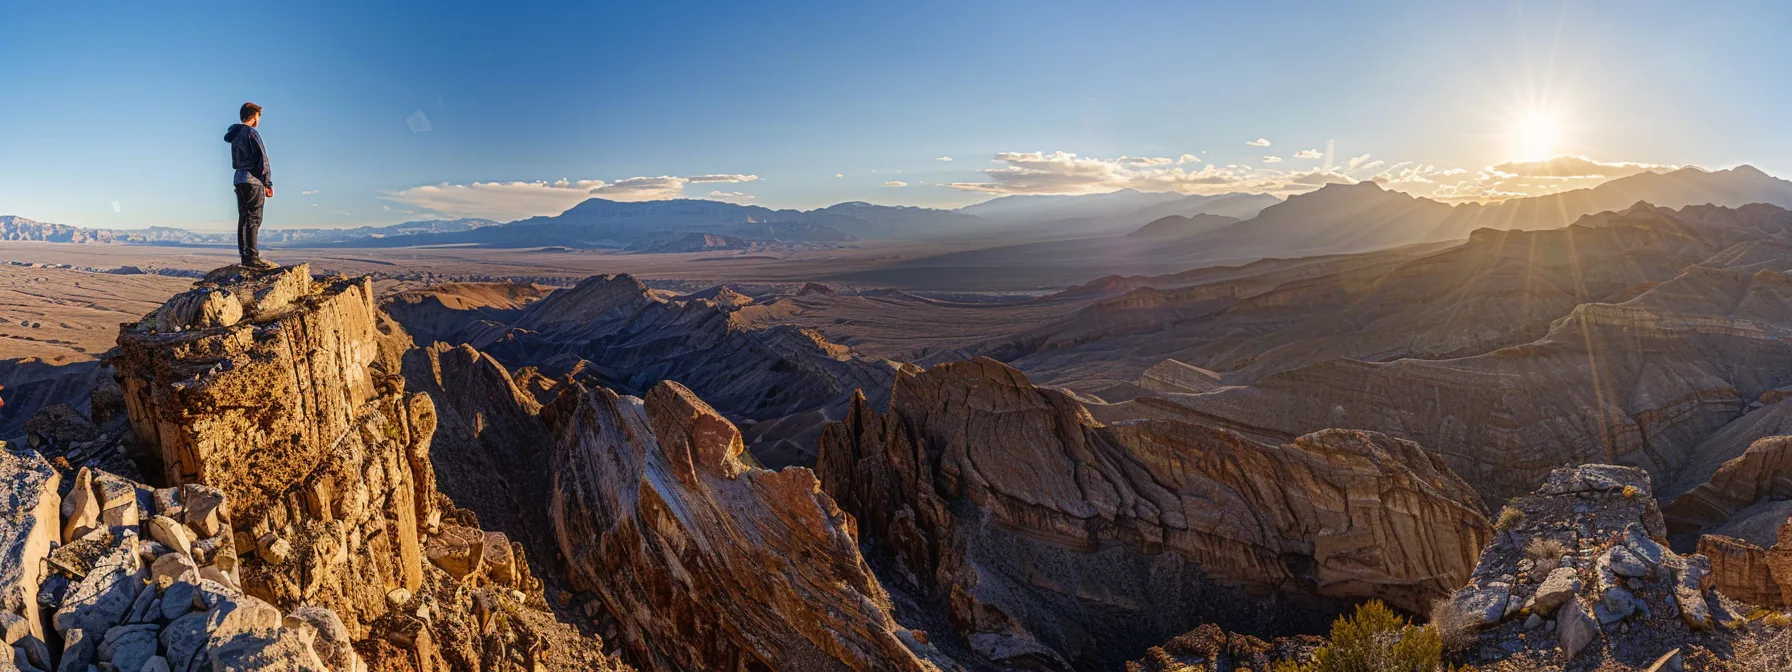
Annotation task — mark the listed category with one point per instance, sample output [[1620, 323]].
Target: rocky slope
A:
[[1580, 578], [781, 383], [1056, 541], [1500, 288], [708, 562], [284, 392], [120, 576], [1641, 382]]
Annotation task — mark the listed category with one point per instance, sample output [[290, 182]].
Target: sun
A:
[[1535, 136]]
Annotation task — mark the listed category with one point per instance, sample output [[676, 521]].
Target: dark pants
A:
[[249, 199]]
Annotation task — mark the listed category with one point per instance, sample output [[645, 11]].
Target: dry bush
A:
[[1545, 554], [1455, 627], [1509, 517]]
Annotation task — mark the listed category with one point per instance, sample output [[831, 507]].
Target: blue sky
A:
[[114, 112]]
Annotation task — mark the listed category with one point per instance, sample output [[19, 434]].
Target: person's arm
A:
[[267, 171]]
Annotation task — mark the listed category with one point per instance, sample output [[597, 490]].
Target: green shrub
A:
[[1375, 639]]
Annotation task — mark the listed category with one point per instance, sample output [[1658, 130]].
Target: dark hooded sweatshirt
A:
[[248, 156]]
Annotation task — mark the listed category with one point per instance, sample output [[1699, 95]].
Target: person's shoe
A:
[[259, 263]]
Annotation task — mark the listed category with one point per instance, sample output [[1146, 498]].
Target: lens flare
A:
[[1535, 136]]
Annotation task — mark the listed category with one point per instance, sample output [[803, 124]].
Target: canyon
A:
[[1567, 445]]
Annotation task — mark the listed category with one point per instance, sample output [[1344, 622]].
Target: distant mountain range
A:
[[1335, 219], [13, 227], [1087, 229]]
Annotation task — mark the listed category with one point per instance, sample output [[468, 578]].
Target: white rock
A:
[[169, 532], [273, 549], [1560, 586], [1487, 603], [212, 573], [81, 509], [35, 523], [1575, 629], [171, 567]]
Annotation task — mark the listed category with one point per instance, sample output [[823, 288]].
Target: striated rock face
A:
[[1761, 473], [490, 448], [298, 413], [707, 562], [1581, 572], [1741, 570], [300, 417], [1057, 540]]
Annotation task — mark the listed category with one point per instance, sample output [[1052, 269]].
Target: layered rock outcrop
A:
[[1580, 573], [1057, 541], [708, 562], [1759, 474], [490, 448], [1745, 571], [292, 404], [300, 416], [138, 578]]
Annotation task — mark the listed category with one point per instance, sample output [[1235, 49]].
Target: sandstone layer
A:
[[710, 563], [284, 392], [1058, 541]]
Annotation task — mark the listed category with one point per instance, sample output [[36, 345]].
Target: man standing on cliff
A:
[[254, 182]]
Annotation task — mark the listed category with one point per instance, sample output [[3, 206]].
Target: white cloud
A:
[[418, 122], [1259, 142], [643, 189], [944, 158], [117, 207], [703, 179], [1576, 167], [1187, 158], [894, 183], [1147, 160], [730, 196], [1066, 173], [1309, 154], [839, 175], [308, 192], [517, 200], [498, 200], [387, 208]]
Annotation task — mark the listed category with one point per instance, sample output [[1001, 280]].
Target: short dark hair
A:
[[249, 111]]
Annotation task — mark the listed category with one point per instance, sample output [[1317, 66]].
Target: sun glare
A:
[[1535, 136]]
